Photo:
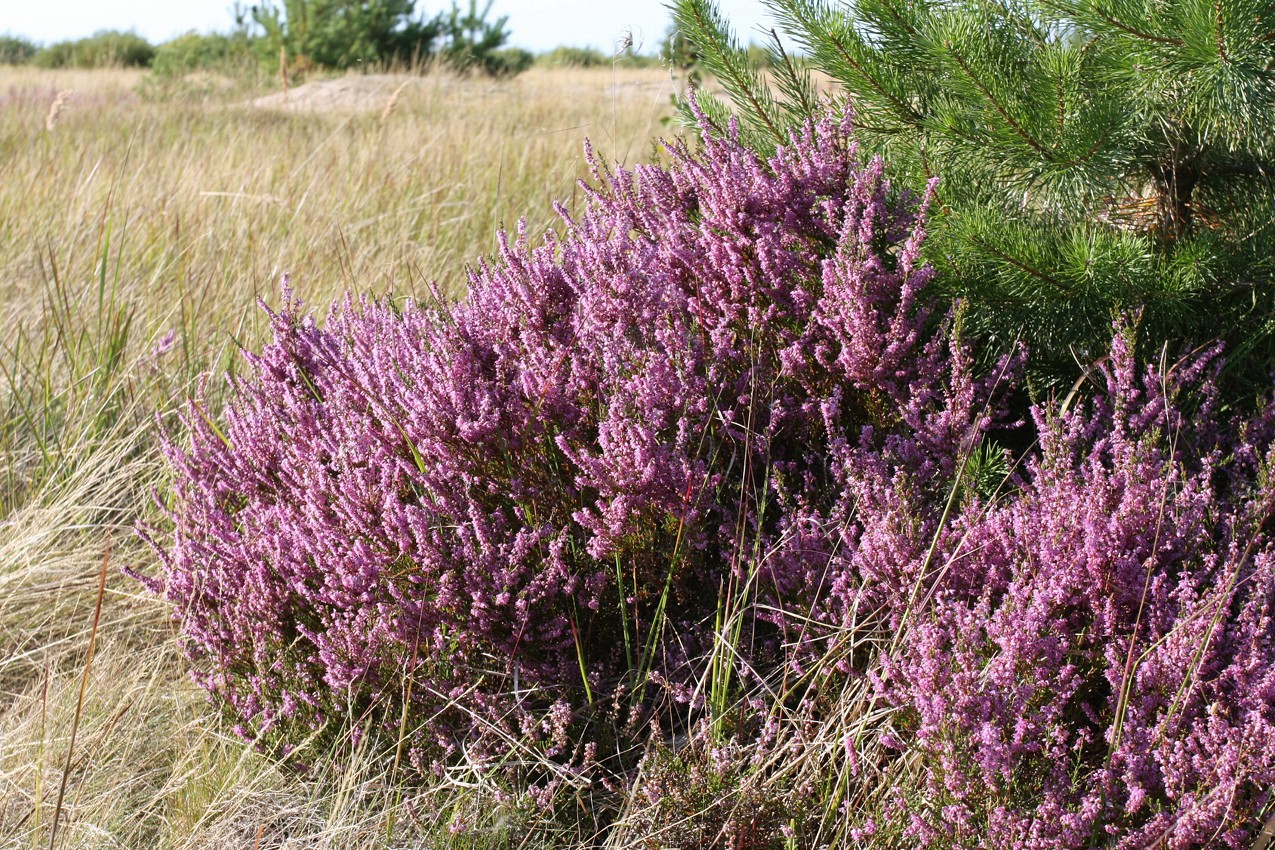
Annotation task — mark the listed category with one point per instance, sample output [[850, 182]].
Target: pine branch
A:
[[1123, 27], [1047, 120], [802, 18], [1221, 41], [996, 104], [727, 61], [893, 11], [794, 82], [1021, 265]]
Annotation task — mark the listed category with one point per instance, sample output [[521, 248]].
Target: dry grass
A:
[[213, 200], [128, 213]]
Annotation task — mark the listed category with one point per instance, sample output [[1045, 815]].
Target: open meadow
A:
[[890, 465], [138, 227]]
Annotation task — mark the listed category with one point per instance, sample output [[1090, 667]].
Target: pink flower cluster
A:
[[501, 519], [1093, 661], [511, 520]]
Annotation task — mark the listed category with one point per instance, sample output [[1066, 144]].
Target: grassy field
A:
[[138, 228]]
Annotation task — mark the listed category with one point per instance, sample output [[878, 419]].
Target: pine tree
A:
[[344, 33], [1096, 157]]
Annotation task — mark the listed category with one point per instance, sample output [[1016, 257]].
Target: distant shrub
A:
[[588, 57], [575, 57], [759, 56], [16, 50], [364, 33], [105, 49], [509, 61], [629, 59], [200, 52], [472, 41], [514, 518]]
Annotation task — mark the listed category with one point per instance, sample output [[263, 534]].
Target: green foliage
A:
[[350, 33], [678, 49], [588, 57], [1094, 159], [346, 33], [201, 52], [471, 40], [105, 49], [508, 61], [575, 57], [16, 50]]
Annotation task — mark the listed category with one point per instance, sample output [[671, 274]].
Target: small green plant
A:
[[589, 57], [509, 61]]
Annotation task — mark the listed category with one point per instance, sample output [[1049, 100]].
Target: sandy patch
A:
[[371, 92], [362, 93]]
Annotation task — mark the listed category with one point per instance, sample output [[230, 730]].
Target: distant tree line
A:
[[108, 48], [342, 34], [305, 34]]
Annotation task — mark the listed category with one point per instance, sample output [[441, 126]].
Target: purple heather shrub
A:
[[509, 519], [1094, 661]]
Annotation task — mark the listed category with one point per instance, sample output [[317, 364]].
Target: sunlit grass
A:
[[138, 227]]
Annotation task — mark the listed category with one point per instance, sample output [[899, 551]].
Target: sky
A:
[[534, 24]]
